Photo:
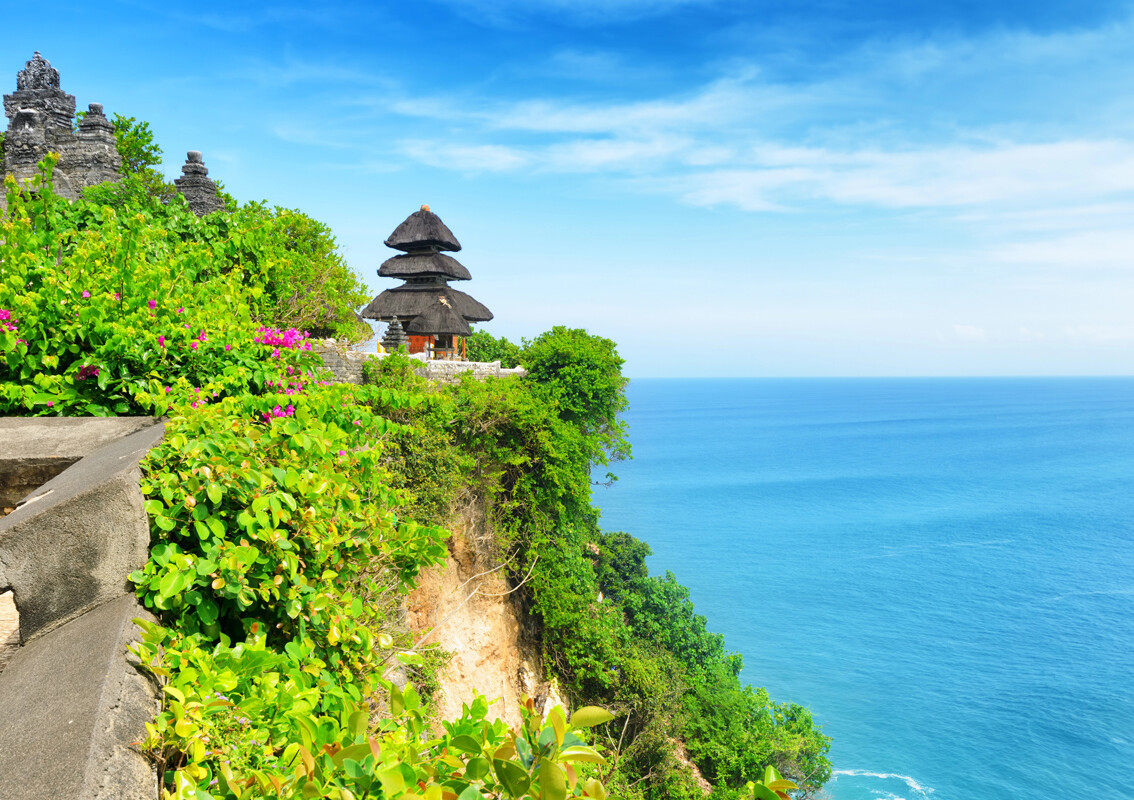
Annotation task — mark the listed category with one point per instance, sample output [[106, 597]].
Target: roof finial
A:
[[425, 208]]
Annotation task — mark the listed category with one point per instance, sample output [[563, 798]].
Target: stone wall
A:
[[345, 365], [448, 371]]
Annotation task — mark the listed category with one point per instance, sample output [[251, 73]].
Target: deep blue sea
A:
[[941, 569]]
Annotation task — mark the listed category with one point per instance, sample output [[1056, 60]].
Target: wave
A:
[[1097, 593], [919, 548], [912, 784]]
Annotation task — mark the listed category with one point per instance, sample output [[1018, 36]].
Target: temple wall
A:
[[345, 365]]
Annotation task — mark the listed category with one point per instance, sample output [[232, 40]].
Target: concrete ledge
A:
[[70, 544], [33, 450], [72, 704]]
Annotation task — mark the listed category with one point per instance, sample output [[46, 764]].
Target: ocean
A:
[[941, 569]]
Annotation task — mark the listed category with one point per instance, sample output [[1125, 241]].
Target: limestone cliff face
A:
[[467, 607]]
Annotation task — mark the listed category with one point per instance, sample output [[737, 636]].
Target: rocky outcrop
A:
[[468, 608]]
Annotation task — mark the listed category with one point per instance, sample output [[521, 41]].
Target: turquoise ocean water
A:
[[941, 569]]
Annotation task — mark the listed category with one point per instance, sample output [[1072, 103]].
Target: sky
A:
[[724, 188]]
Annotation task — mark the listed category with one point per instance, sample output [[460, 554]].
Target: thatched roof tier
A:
[[410, 265], [411, 300], [423, 230], [439, 318]]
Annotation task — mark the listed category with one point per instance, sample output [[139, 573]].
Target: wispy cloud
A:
[[586, 12], [1105, 249], [746, 141]]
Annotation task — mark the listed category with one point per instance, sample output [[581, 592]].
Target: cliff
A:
[[468, 608]]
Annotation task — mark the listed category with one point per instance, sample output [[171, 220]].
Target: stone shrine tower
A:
[[41, 120], [199, 190]]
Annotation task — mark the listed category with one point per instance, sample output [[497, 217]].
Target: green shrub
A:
[[483, 346]]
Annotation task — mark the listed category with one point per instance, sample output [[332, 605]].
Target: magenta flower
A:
[[87, 371], [86, 294], [161, 341], [117, 296], [278, 412], [181, 311], [227, 347], [153, 304], [342, 452], [193, 345], [168, 389], [50, 403]]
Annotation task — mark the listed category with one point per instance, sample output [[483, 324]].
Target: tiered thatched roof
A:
[[410, 265], [411, 300], [423, 229], [425, 304]]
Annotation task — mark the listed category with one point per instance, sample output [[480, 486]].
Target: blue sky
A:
[[723, 188]]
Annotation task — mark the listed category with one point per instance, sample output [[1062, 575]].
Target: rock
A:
[[9, 628]]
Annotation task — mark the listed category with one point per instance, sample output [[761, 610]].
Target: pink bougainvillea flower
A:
[[161, 341], [193, 345], [117, 296], [50, 403], [153, 304], [342, 452], [168, 389], [86, 293], [87, 371], [227, 347], [181, 311], [278, 412]]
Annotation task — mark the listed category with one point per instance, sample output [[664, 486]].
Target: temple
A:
[[434, 317], [41, 120]]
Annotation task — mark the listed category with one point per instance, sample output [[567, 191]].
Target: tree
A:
[[140, 153]]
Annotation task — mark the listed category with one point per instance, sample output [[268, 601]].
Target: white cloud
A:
[[1099, 334], [969, 332], [466, 158], [1090, 249]]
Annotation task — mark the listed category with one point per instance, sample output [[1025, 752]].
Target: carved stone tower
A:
[[199, 190], [40, 118]]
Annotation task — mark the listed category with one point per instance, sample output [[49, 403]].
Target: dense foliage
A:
[[110, 312], [289, 516], [613, 634]]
